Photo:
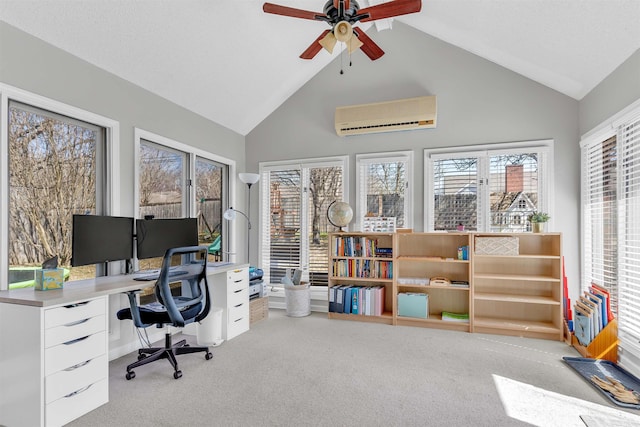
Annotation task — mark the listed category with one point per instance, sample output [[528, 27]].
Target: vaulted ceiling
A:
[[233, 64]]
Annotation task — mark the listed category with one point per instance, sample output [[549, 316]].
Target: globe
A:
[[339, 214]]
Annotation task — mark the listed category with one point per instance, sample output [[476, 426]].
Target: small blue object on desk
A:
[[49, 278]]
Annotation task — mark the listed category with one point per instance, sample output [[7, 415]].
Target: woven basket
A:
[[298, 300], [507, 245]]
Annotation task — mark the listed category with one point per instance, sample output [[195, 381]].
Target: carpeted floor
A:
[[313, 371]]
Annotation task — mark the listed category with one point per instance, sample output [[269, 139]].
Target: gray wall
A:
[[620, 89], [30, 64], [479, 102]]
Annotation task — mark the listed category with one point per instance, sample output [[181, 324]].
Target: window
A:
[[177, 181], [59, 162], [382, 184], [487, 189], [294, 226], [610, 222]]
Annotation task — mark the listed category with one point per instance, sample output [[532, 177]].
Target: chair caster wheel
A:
[[177, 374], [130, 375], [208, 356], [142, 356]]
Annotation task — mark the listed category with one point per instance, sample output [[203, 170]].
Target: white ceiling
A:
[[230, 62]]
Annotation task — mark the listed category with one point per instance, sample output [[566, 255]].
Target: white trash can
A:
[[298, 300], [209, 329]]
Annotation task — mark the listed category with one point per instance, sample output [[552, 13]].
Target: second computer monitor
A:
[[155, 236]]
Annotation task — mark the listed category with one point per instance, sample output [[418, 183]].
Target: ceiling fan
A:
[[341, 15]]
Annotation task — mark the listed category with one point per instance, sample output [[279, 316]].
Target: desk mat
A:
[[604, 368]]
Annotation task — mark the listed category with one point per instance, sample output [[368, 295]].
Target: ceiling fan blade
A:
[[315, 47], [276, 9], [390, 9], [369, 47]]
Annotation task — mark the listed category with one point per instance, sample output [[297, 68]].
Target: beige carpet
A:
[[313, 371]]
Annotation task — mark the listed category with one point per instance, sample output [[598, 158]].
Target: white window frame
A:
[[112, 156], [545, 174], [364, 160], [229, 228], [265, 217]]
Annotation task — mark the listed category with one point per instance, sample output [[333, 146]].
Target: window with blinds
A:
[[629, 235], [487, 190], [294, 227], [611, 223], [383, 187], [599, 217]]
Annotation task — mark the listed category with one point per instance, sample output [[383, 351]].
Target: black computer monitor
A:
[[99, 238], [155, 236]]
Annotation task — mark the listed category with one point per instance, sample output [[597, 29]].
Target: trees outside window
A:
[[54, 172]]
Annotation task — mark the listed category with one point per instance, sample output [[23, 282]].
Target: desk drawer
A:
[[74, 312], [76, 404], [238, 322], [237, 279], [240, 296], [75, 378], [71, 353], [78, 329]]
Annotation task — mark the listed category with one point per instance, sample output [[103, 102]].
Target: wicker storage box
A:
[[258, 309], [507, 245]]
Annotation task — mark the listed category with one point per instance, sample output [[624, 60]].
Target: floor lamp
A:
[[249, 179]]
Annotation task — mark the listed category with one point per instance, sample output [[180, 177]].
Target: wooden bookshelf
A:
[[519, 294], [354, 261], [429, 255]]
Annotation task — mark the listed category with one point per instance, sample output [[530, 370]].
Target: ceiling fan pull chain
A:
[[341, 54]]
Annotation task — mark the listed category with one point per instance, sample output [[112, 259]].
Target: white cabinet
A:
[[230, 291], [62, 369]]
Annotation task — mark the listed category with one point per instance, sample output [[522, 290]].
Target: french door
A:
[[294, 226]]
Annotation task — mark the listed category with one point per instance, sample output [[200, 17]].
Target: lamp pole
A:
[[249, 179]]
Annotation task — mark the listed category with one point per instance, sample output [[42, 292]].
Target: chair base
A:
[[169, 352]]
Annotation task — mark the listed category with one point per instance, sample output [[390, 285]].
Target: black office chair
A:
[[192, 305]]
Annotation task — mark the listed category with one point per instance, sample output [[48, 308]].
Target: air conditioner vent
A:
[[403, 114]]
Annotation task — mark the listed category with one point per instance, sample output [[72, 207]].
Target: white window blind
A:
[[629, 236], [383, 188], [599, 213]]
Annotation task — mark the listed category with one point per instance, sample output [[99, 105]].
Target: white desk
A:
[[54, 364]]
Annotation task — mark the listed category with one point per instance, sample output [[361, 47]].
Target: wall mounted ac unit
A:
[[403, 114]]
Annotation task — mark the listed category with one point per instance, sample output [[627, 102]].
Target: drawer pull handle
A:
[[79, 365], [77, 340], [77, 322], [238, 305], [238, 291], [78, 304], [238, 281], [237, 320], [83, 389]]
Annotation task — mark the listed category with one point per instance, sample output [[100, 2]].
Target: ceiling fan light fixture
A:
[[343, 31], [328, 42], [354, 44]]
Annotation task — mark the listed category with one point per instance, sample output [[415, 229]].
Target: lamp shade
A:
[[249, 178], [229, 214]]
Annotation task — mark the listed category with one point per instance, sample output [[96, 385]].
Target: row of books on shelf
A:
[[361, 300], [592, 313], [363, 268], [360, 246]]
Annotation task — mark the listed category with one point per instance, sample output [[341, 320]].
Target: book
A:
[[455, 317]]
